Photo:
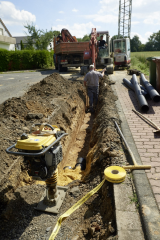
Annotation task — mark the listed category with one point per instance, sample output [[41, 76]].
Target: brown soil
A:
[[61, 102]]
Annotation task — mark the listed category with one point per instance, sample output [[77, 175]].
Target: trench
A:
[[92, 137], [79, 148]]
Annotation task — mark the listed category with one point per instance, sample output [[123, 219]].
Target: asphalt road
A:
[[15, 84]]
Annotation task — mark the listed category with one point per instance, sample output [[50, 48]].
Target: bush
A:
[[25, 59]]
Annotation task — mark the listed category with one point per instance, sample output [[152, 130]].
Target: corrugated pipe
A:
[[152, 92], [130, 85], [140, 98]]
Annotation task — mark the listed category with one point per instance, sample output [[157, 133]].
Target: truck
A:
[[70, 53]]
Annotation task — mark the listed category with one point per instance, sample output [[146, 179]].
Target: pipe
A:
[[130, 85], [152, 92], [140, 98]]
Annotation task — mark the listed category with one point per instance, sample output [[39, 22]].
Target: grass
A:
[[139, 62], [134, 199]]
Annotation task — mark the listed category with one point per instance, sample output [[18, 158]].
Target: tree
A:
[[135, 44], [86, 38], [39, 38], [154, 42], [22, 46], [149, 46]]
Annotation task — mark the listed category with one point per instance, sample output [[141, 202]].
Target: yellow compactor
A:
[[42, 152]]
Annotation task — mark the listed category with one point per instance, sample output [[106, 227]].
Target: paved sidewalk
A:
[[147, 142], [144, 145]]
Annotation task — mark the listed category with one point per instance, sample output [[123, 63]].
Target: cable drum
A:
[[115, 174]]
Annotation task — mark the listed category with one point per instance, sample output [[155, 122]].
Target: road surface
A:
[[15, 84]]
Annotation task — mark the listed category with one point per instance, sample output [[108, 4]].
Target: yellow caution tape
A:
[[72, 209], [115, 174]]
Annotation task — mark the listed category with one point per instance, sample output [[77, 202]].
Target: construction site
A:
[[75, 164]]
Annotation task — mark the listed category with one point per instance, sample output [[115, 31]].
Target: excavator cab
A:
[[104, 59], [103, 50]]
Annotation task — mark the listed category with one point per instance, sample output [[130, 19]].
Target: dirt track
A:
[[61, 102]]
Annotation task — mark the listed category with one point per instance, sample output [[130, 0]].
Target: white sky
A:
[[79, 16]]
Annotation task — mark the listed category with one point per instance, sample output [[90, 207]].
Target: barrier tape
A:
[[72, 209]]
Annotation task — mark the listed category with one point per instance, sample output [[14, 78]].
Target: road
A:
[[15, 84]]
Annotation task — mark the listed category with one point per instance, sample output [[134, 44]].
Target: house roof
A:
[[5, 27], [22, 38]]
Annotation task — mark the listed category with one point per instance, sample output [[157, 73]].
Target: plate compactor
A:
[[42, 152]]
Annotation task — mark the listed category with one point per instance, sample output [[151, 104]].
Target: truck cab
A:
[[122, 52]]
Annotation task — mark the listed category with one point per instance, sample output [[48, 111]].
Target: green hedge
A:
[[25, 59]]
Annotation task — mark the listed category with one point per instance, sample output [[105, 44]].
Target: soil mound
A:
[[54, 100]]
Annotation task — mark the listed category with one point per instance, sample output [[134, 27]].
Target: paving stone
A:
[[156, 189], [128, 220], [130, 235], [154, 182], [123, 201], [157, 197]]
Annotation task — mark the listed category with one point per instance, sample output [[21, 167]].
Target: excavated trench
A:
[[60, 102]]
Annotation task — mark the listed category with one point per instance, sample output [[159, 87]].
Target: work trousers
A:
[[93, 96]]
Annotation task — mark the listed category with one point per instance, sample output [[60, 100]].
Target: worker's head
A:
[[91, 67], [101, 37]]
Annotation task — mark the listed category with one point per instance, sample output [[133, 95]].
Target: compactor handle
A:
[[43, 124], [44, 150]]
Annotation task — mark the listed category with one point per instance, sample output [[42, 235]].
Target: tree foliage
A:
[[39, 38], [22, 45], [86, 38], [153, 43], [135, 44]]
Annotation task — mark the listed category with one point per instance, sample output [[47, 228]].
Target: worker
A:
[[102, 43], [91, 81], [59, 39]]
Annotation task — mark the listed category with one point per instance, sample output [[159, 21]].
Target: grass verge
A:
[[139, 62]]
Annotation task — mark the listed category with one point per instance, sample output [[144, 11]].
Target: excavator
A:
[[99, 56], [71, 53]]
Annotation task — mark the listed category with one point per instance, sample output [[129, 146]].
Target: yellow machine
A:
[[42, 153]]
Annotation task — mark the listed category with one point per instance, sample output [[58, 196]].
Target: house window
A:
[[1, 31]]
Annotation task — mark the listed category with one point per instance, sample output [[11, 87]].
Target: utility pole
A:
[[124, 19]]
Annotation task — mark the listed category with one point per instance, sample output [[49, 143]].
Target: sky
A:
[[79, 16]]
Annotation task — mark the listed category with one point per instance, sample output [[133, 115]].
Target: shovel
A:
[[135, 166], [148, 121]]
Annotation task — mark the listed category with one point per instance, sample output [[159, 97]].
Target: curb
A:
[[148, 209], [27, 71]]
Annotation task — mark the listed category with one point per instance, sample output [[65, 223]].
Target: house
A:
[[6, 40], [18, 42], [24, 41]]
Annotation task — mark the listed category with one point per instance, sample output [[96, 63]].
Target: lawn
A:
[[139, 62]]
